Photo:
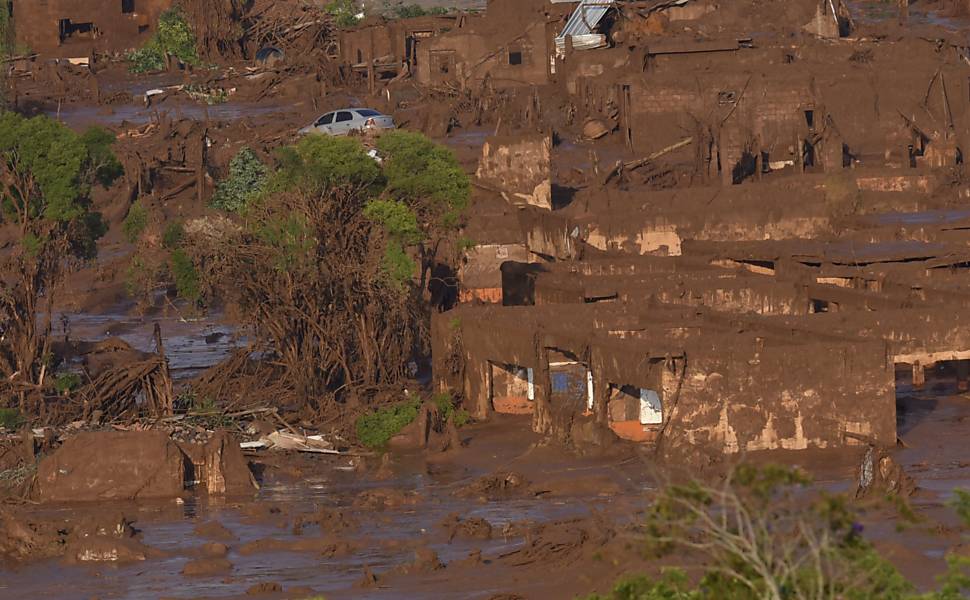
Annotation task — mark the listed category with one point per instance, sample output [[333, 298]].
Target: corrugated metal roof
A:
[[586, 16]]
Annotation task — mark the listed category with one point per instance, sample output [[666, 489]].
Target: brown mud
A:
[[789, 222]]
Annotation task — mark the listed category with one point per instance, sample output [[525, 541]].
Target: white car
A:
[[343, 121]]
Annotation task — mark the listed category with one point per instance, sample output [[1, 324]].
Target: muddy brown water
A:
[[382, 535], [191, 344]]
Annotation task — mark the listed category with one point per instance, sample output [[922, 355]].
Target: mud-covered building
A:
[[78, 28], [384, 49], [510, 45]]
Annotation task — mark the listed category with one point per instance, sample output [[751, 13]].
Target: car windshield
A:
[[366, 112]]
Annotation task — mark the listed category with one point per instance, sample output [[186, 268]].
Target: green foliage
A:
[[961, 504], [106, 166], [397, 266], [376, 428], [410, 11], [174, 38], [344, 12], [246, 181], [319, 162], [56, 159], [466, 243], [67, 382], [10, 418], [450, 412], [142, 275], [32, 244], [764, 539], [421, 172], [136, 222], [186, 276], [289, 238], [51, 169], [202, 411], [173, 235], [673, 585], [397, 218]]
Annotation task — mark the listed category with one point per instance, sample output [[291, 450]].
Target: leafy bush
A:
[[186, 277], [420, 171], [246, 181], [449, 412], [318, 162], [174, 38], [136, 222], [10, 418], [376, 428], [66, 382], [673, 585], [172, 236], [401, 225], [397, 218], [344, 12]]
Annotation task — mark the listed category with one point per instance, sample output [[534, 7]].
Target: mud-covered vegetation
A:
[[763, 533], [330, 255], [174, 40]]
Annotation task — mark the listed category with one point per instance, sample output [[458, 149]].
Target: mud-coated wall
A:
[[115, 25], [815, 395], [509, 46], [722, 389]]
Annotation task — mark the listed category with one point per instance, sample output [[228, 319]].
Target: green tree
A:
[[46, 174], [174, 39]]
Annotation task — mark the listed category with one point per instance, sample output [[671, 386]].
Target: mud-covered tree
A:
[[322, 260], [46, 174], [764, 534]]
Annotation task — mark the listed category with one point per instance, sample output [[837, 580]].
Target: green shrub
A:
[[172, 236], [318, 162], [246, 181], [136, 222], [397, 218], [67, 382], [419, 170], [450, 412], [397, 266], [174, 38], [344, 12], [376, 428], [673, 585], [186, 277], [10, 418]]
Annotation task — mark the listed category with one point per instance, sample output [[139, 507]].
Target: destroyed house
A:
[[684, 378], [80, 28], [388, 49], [509, 46]]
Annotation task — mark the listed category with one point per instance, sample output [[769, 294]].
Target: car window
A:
[[344, 116], [366, 112], [325, 119]]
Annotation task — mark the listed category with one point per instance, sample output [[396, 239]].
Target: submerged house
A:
[[79, 28]]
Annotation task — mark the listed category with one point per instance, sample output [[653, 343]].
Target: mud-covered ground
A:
[[501, 515]]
